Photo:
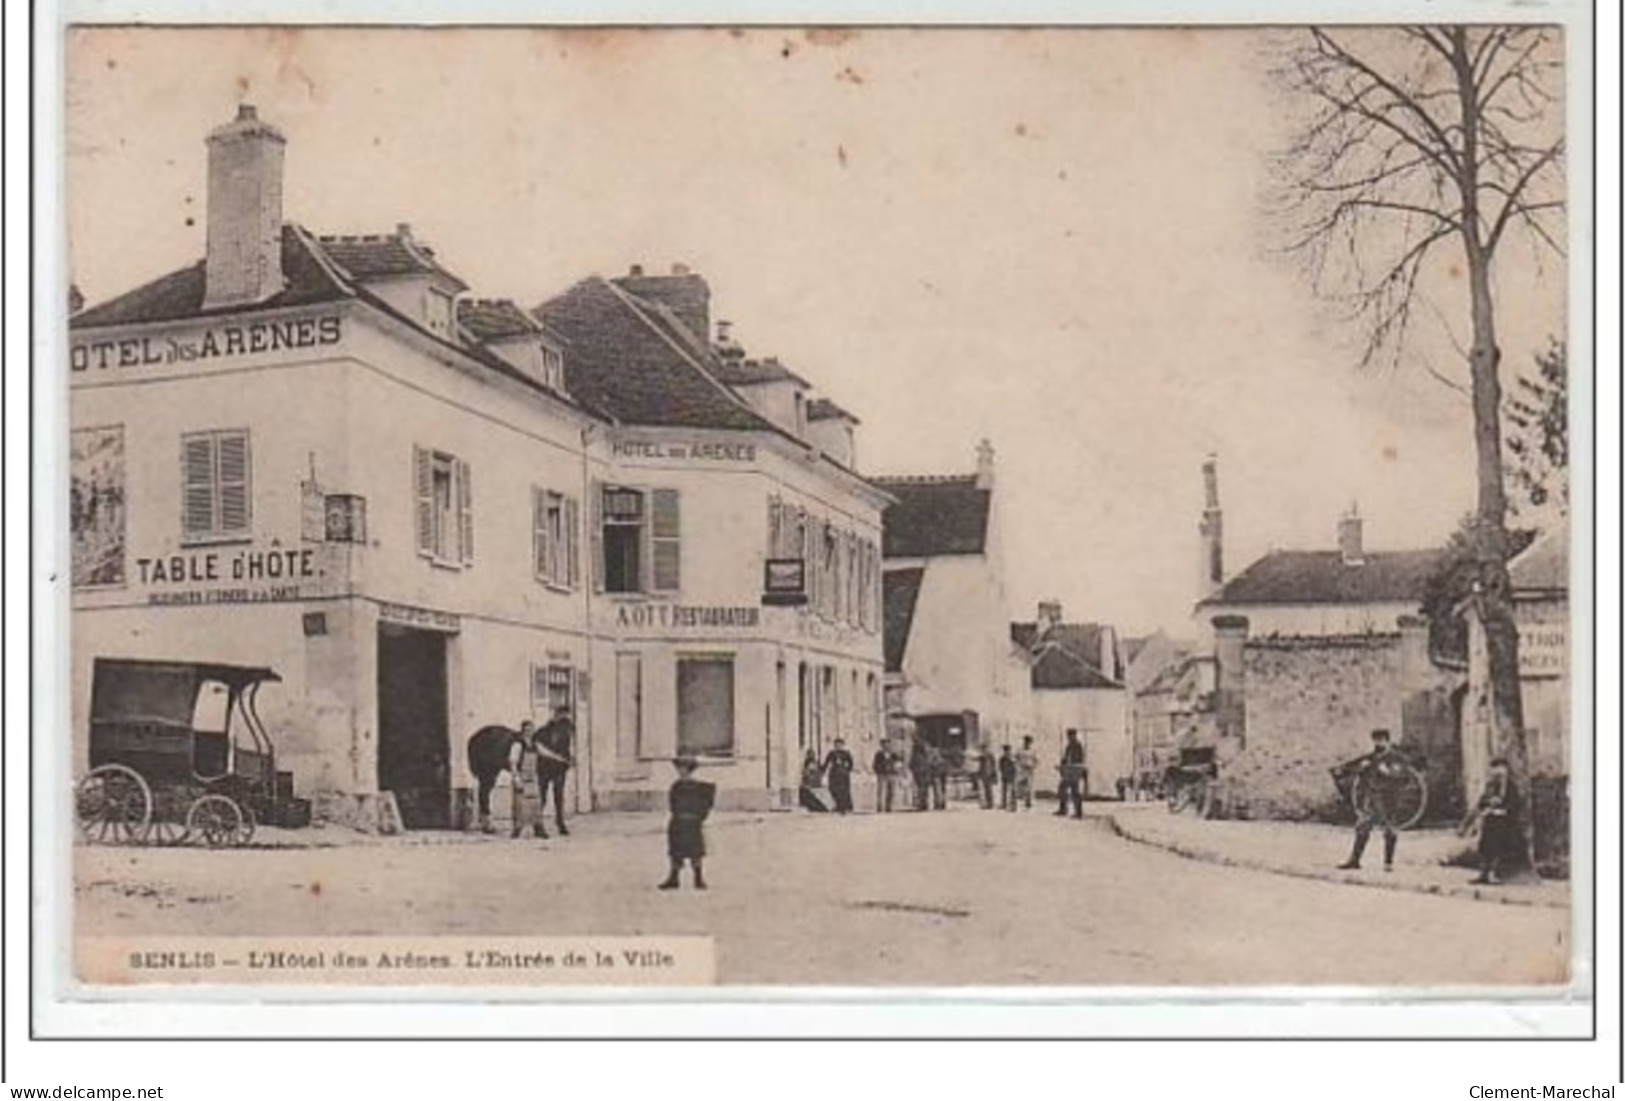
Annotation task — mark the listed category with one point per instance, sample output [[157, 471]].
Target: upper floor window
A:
[[215, 485], [437, 310], [640, 540], [555, 543], [552, 368], [445, 507]]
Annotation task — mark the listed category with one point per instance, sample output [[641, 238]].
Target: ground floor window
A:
[[705, 705], [550, 689]]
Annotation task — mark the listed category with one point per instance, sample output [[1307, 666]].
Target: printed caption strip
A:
[[398, 961]]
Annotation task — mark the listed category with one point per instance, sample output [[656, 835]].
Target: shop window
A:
[[215, 485], [445, 507], [705, 706], [551, 687]]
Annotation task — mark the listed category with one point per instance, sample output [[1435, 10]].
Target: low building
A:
[[1174, 711], [1076, 676], [950, 669]]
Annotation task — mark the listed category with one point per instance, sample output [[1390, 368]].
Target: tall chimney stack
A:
[[1212, 531], [1350, 538], [243, 264]]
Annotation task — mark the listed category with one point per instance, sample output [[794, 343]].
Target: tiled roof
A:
[[900, 592], [1322, 577], [754, 372], [822, 409], [624, 363], [382, 255], [1544, 564], [495, 319], [1058, 667], [934, 516], [179, 294]]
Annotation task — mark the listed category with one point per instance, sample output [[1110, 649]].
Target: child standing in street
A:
[[690, 802]]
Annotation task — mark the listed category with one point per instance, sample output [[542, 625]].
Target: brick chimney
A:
[[684, 292], [1211, 577], [243, 264], [984, 465], [1350, 542]]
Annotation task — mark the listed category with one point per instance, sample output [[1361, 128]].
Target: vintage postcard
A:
[[807, 507]]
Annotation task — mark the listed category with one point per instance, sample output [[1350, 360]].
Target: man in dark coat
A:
[[885, 767], [1007, 779], [1499, 839], [1072, 774], [490, 749], [919, 767], [838, 766], [555, 753], [1378, 773], [690, 802]]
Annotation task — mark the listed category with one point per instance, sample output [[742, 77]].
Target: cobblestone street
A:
[[961, 897]]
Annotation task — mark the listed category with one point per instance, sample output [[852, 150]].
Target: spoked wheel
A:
[[113, 805], [167, 831], [216, 819], [1399, 799]]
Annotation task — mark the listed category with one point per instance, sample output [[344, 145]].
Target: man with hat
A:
[[690, 802], [1377, 775]]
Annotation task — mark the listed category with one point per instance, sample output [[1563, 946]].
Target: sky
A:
[[1051, 238]]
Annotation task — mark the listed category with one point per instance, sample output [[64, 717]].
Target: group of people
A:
[[921, 777], [1494, 815]]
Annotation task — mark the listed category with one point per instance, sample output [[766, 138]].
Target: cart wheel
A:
[[1401, 800], [113, 804], [168, 832], [245, 832], [214, 818]]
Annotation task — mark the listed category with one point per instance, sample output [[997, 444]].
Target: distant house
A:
[[1172, 710], [1076, 675], [1311, 651], [949, 667]]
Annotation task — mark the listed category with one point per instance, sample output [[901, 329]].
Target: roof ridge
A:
[[924, 479]]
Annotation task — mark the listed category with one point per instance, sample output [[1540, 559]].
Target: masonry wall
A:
[[1312, 703]]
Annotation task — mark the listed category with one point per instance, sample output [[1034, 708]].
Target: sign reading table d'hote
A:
[[237, 575], [215, 342], [1543, 649]]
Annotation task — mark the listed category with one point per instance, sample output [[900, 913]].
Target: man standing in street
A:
[[885, 768], [1007, 779], [1071, 777], [1026, 770], [1374, 777], [1499, 838], [919, 767], [555, 753], [838, 766]]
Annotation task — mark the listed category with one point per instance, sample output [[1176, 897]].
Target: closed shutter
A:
[[423, 488], [665, 528], [197, 486], [595, 532], [232, 474], [465, 513], [572, 541]]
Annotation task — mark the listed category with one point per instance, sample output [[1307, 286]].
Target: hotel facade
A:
[[429, 512]]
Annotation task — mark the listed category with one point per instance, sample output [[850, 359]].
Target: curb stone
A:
[[1209, 856]]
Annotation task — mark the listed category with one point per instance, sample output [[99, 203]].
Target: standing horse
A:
[[490, 749]]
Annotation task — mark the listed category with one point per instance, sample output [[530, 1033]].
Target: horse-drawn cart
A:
[[178, 753]]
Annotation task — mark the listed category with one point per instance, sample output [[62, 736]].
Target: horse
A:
[[489, 749]]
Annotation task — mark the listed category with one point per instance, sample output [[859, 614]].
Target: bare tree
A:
[[1421, 154]]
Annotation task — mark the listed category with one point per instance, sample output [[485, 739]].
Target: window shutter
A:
[[232, 454], [572, 541], [665, 528], [197, 486], [538, 535], [465, 513], [595, 533], [423, 483]]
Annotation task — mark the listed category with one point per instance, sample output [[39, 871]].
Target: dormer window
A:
[[552, 368], [437, 311], [801, 414]]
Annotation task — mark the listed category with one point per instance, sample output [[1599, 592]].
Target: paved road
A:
[[960, 897]]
